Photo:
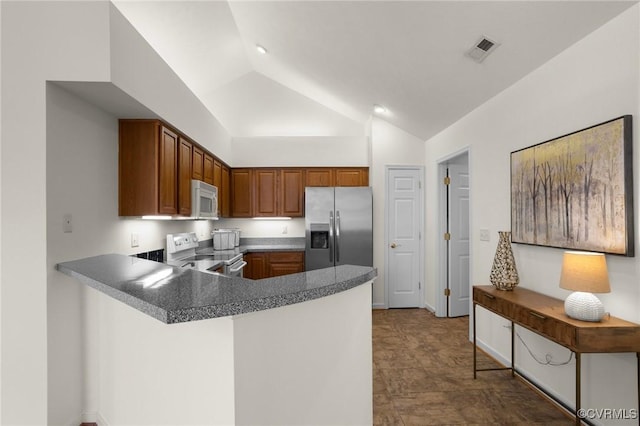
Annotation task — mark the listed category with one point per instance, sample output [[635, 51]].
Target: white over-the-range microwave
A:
[[204, 200]]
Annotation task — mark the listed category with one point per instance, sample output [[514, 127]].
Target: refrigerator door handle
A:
[[331, 237], [337, 236]]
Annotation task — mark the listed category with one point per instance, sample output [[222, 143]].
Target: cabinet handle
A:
[[489, 296], [537, 315]]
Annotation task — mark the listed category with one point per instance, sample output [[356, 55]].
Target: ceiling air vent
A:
[[483, 47]]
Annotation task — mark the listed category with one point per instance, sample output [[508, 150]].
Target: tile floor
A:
[[423, 375]]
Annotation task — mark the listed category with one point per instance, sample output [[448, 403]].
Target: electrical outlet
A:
[[484, 235], [135, 240], [285, 229], [67, 223]]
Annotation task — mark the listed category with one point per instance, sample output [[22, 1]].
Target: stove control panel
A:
[[181, 242]]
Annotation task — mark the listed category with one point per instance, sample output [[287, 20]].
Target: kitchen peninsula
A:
[[204, 349]]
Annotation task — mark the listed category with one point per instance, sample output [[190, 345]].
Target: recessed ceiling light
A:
[[379, 109], [261, 49]]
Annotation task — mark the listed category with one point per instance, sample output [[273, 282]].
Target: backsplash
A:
[[155, 255]]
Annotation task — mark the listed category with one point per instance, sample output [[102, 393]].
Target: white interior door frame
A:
[[441, 299], [387, 243]]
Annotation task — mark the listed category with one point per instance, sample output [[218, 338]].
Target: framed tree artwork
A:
[[576, 191]]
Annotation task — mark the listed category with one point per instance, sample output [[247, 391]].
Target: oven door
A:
[[235, 269]]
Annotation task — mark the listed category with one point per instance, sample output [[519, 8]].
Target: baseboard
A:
[[567, 407], [430, 308], [378, 306], [92, 419]]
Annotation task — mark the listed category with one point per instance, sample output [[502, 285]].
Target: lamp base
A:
[[584, 306]]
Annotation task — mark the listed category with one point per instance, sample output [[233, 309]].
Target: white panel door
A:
[[459, 284], [404, 203]]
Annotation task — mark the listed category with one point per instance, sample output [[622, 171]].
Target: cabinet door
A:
[[208, 169], [256, 268], [168, 172], [217, 174], [241, 194], [291, 202], [138, 167], [184, 177], [357, 176], [265, 192], [197, 165], [224, 192], [319, 177], [284, 263]]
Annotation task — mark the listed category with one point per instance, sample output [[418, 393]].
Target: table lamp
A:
[[585, 273]]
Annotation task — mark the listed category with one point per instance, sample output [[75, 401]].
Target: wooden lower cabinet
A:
[[256, 267], [273, 264]]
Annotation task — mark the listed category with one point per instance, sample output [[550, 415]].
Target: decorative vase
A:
[[504, 274]]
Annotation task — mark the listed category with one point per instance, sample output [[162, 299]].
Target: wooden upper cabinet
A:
[[155, 168], [197, 163], [241, 192], [291, 193], [217, 174], [319, 177], [208, 168], [265, 201], [357, 176], [184, 176], [224, 192], [138, 153], [337, 176], [168, 170]]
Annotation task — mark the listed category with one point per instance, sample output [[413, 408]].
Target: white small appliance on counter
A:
[[225, 239]]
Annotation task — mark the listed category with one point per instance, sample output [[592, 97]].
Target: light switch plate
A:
[[484, 235], [67, 223], [135, 240]]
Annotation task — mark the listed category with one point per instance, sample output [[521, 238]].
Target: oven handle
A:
[[237, 266]]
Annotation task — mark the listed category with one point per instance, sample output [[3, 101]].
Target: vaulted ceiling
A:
[[329, 62]]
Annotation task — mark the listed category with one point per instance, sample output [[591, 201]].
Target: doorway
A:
[[404, 264], [455, 260]]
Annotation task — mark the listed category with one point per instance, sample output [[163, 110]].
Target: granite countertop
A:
[[172, 294]]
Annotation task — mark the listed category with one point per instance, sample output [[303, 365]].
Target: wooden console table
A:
[[545, 316]]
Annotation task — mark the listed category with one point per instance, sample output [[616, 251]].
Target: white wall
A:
[[390, 146], [59, 156], [39, 41], [593, 81], [300, 151], [138, 70]]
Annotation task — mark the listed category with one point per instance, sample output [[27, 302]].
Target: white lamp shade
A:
[[583, 271]]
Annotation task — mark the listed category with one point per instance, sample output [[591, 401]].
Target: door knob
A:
[[394, 245]]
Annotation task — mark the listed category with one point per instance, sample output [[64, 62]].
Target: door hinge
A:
[[419, 285], [447, 292], [447, 180], [419, 184], [447, 236]]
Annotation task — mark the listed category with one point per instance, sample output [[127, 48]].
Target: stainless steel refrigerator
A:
[[339, 226]]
